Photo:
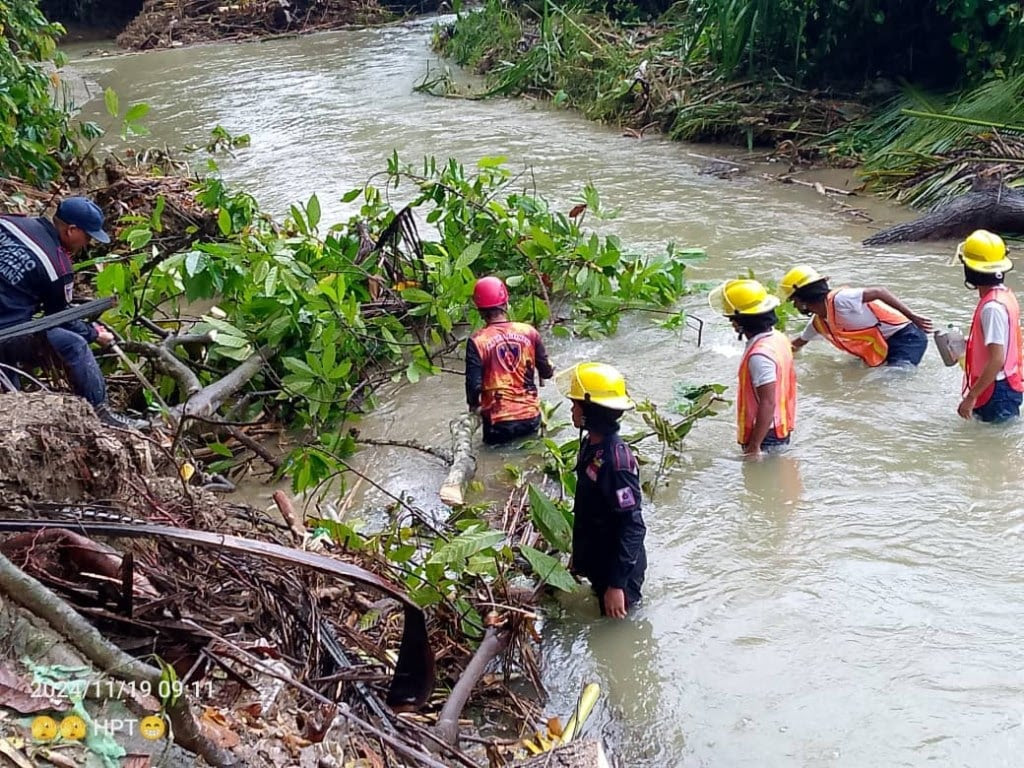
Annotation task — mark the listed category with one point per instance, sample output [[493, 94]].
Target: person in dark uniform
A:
[[502, 359], [36, 274], [608, 527]]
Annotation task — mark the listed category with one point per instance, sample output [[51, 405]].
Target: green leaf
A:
[[313, 211], [220, 449], [417, 296], [469, 254], [224, 221], [549, 520], [492, 162], [111, 101], [136, 112], [351, 195], [465, 545], [194, 263], [548, 569]]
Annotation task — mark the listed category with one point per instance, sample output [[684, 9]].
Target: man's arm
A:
[[994, 364], [763, 421], [474, 375], [809, 334], [544, 367], [878, 293]]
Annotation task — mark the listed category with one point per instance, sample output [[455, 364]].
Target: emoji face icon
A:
[[152, 727], [72, 728], [44, 728]]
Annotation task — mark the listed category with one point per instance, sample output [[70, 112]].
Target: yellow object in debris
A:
[[401, 286], [584, 707], [187, 470]]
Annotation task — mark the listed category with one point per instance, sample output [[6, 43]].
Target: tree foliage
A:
[[939, 43], [34, 131], [346, 307]]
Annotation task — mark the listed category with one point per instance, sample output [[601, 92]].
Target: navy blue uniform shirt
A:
[[35, 273], [608, 527]]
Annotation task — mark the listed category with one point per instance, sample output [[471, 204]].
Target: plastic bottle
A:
[[951, 345]]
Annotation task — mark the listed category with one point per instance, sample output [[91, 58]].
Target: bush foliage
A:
[[33, 129]]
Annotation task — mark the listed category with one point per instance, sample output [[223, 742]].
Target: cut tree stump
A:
[[463, 459], [998, 209], [578, 754]]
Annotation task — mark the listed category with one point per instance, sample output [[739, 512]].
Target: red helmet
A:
[[490, 292]]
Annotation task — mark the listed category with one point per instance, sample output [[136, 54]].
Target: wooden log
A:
[[578, 754], [997, 208], [463, 459]]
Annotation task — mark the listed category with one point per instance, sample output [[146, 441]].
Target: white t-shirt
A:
[[852, 314], [995, 327], [761, 367]]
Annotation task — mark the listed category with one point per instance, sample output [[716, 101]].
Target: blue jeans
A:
[[771, 442], [72, 350], [1003, 405], [906, 346]]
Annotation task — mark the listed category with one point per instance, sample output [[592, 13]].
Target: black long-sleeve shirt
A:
[[608, 527]]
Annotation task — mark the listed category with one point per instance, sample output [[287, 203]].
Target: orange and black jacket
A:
[[501, 359]]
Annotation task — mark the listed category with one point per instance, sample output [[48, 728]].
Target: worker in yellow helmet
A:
[[766, 401], [608, 528], [993, 374], [869, 323]]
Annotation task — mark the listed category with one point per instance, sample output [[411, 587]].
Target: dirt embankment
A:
[[162, 24]]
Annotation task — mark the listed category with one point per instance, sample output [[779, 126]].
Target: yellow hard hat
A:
[[797, 277], [597, 383], [742, 297], [985, 252]]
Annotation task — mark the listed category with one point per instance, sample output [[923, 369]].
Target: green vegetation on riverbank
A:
[[809, 85]]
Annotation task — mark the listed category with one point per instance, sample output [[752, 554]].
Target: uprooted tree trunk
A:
[[997, 208]]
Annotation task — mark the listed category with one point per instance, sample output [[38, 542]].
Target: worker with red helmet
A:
[[501, 361]]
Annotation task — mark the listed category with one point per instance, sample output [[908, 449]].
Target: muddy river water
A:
[[849, 603]]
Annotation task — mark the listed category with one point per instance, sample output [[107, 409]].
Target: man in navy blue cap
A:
[[36, 274]]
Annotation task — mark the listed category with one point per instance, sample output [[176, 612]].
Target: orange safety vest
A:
[[977, 351], [508, 355], [866, 343], [778, 348]]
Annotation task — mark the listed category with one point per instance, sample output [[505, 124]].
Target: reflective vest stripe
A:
[[977, 351], [32, 246], [778, 349]]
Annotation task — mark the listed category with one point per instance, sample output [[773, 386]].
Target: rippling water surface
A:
[[851, 603]]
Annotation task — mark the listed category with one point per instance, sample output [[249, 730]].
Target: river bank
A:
[[918, 146]]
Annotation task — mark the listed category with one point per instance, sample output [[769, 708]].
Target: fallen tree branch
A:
[[82, 635], [495, 642], [463, 460], [437, 453], [207, 400], [168, 362]]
